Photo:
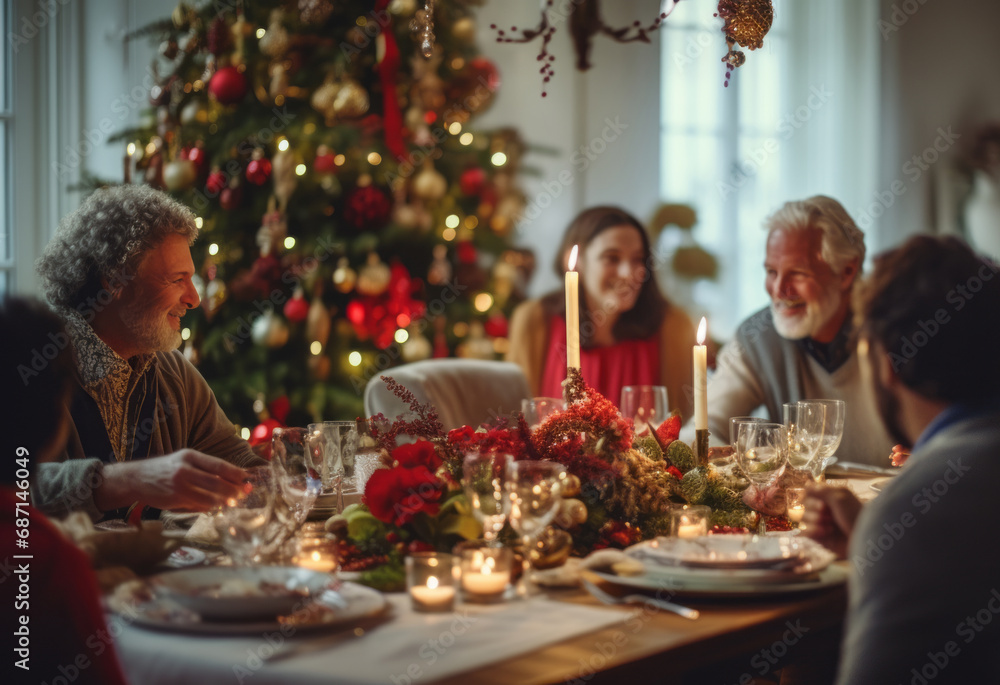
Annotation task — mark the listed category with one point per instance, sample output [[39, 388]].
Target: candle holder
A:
[[485, 571], [430, 581], [689, 520], [795, 507], [316, 553], [701, 446]]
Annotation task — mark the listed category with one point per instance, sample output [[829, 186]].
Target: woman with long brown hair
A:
[[629, 333]]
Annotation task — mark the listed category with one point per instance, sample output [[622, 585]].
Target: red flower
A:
[[464, 434], [397, 495], [420, 453], [675, 472]]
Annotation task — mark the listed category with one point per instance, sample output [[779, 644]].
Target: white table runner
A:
[[410, 649]]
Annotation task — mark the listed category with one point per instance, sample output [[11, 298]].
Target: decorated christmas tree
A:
[[351, 218]]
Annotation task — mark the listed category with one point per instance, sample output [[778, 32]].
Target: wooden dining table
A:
[[735, 640]]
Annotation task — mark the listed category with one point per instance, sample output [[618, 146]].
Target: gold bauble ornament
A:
[[403, 8], [323, 98], [344, 277], [429, 184], [551, 549], [417, 347], [179, 174], [215, 295], [270, 330], [351, 101], [275, 41], [464, 30], [373, 280], [746, 21], [318, 322]]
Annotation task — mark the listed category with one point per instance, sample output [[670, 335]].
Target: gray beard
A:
[[150, 332]]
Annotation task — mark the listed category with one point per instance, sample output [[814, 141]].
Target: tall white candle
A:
[[573, 312], [701, 379]]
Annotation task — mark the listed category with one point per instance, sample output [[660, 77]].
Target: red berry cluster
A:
[[727, 530]]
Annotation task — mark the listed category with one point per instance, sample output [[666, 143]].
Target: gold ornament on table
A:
[[344, 277], [746, 24], [374, 277]]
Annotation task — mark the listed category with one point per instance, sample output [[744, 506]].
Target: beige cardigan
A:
[[529, 332]]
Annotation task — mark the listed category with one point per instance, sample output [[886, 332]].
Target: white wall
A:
[[939, 70]]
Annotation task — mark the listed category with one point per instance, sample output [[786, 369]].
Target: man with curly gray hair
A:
[[800, 347], [119, 272]]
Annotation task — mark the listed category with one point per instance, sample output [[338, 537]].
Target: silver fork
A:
[[607, 598]]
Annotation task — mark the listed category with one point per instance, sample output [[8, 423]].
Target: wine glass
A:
[[734, 427], [297, 469], [537, 409], [333, 444], [483, 477], [761, 452], [833, 432], [805, 424], [646, 405], [533, 491], [246, 523]]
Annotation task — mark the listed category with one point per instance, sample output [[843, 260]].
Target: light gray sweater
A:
[[759, 368]]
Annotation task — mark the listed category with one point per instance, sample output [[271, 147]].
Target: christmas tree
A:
[[350, 218]]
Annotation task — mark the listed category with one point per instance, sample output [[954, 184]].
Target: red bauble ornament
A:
[[296, 309], [324, 164], [367, 208], [266, 273], [472, 181], [230, 198], [279, 408], [228, 85], [216, 183], [199, 157], [496, 326], [261, 435], [258, 171], [484, 71], [466, 252]]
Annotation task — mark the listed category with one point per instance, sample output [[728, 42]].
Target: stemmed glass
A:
[[734, 427], [246, 524], [804, 422], [537, 409], [833, 432], [646, 405], [483, 476], [332, 445], [297, 470], [761, 451], [533, 495]]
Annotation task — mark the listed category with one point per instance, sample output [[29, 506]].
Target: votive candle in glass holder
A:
[[316, 553], [430, 581], [795, 504], [689, 520], [485, 571]]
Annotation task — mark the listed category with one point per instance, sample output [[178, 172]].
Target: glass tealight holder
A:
[[484, 571], [317, 553], [430, 581], [689, 520], [795, 504]]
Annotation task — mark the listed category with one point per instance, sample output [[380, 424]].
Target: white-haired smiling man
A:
[[800, 347], [146, 429]]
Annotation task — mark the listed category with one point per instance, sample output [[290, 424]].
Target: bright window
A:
[[799, 118]]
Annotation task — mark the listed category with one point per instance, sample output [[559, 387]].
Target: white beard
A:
[[152, 332], [799, 326]]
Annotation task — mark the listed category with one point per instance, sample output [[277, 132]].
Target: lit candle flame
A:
[[432, 582], [701, 331], [572, 257]]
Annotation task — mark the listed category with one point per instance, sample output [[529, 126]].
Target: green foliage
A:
[[694, 486], [681, 455], [648, 445]]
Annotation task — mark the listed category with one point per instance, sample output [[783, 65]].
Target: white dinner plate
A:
[[738, 551], [234, 593], [831, 576], [341, 605]]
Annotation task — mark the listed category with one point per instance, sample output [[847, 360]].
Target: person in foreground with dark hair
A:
[[146, 432], [924, 600], [58, 628], [629, 333]]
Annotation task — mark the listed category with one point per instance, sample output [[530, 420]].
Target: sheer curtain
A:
[[799, 118]]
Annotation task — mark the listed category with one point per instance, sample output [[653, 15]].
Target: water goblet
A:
[[804, 422], [333, 445], [734, 427], [833, 432], [646, 405], [245, 523], [297, 470], [761, 452], [537, 409], [483, 475], [533, 491]]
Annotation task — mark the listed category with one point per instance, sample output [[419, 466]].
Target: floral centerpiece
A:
[[620, 491]]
